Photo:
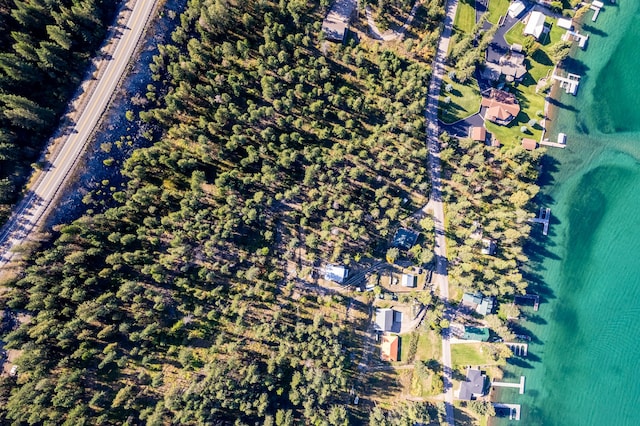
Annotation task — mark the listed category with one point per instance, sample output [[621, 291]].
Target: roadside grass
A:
[[465, 99], [497, 8], [465, 17], [429, 345]]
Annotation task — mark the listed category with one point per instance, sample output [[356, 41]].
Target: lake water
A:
[[584, 363]]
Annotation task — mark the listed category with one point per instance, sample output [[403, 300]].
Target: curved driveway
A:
[[32, 209]]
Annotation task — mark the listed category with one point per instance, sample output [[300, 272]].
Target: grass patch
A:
[[497, 8], [515, 35], [463, 354], [465, 100], [465, 16], [429, 346]]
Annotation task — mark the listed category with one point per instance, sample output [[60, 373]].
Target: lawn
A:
[[465, 16], [497, 8], [429, 346], [465, 100], [463, 354]]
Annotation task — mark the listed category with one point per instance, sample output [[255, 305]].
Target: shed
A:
[[562, 138], [488, 246], [389, 348], [535, 24], [565, 23], [336, 273], [478, 133], [384, 319], [529, 144], [408, 280], [474, 385]]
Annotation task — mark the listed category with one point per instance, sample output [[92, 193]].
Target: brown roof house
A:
[[529, 144], [502, 107], [389, 348], [478, 134]]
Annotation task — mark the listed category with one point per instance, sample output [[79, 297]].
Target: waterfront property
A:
[[474, 386], [501, 107], [543, 217], [519, 385], [569, 83], [535, 24], [514, 409], [529, 144], [483, 305], [477, 334]]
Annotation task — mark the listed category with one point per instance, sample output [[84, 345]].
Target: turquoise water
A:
[[584, 365]]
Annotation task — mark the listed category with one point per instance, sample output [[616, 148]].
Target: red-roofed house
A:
[[502, 107], [389, 348], [477, 133]]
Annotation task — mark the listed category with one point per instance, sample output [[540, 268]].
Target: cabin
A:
[[405, 239]]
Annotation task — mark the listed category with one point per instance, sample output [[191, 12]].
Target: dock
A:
[[543, 217], [596, 6], [576, 36], [519, 386], [518, 349], [514, 409], [534, 297], [569, 83]]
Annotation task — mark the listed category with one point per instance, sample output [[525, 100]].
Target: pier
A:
[[518, 349], [543, 217], [569, 83], [534, 297], [576, 36], [519, 386], [562, 141], [596, 6], [514, 409]]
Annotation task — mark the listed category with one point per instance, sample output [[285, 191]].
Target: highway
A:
[[32, 209]]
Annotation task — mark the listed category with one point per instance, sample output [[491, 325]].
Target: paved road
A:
[[440, 277], [30, 212]]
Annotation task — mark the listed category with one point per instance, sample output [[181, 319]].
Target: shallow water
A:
[[582, 370]]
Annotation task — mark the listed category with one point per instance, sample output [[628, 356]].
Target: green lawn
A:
[[429, 346], [465, 16], [515, 35], [465, 100], [463, 354], [497, 8]]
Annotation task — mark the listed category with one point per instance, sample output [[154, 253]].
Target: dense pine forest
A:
[[176, 305], [45, 47]]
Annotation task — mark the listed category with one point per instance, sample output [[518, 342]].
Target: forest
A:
[[173, 306], [45, 47]]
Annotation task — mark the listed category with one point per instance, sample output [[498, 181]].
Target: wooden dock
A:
[[576, 36], [569, 83], [543, 217], [514, 409], [519, 386], [534, 297], [547, 142], [596, 6]]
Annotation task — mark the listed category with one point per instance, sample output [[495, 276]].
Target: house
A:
[[336, 273], [479, 303], [478, 134], [389, 348], [488, 246], [491, 71], [405, 239], [486, 306], [474, 385], [529, 144], [535, 24], [502, 107], [471, 300], [384, 319], [512, 66], [516, 8], [476, 334], [335, 26], [408, 280]]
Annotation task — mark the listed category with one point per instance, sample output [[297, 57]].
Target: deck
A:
[[569, 83], [534, 297], [519, 386], [544, 218], [514, 409]]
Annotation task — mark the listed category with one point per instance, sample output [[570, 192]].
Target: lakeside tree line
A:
[[174, 305], [45, 46]]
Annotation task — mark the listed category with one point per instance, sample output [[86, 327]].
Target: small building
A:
[[501, 107], [336, 25], [515, 47], [565, 23], [389, 348], [488, 246], [474, 386], [516, 8], [535, 24], [529, 144], [483, 305], [512, 66], [486, 306], [336, 273], [384, 319], [405, 239], [562, 138], [471, 300], [408, 280], [476, 334], [478, 133]]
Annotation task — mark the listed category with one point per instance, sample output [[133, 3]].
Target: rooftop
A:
[[389, 348], [502, 107], [405, 239], [474, 385], [535, 24], [408, 280], [384, 319], [529, 144], [480, 334], [478, 133], [336, 273]]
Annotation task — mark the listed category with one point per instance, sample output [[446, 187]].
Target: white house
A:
[[516, 8], [408, 280], [535, 24]]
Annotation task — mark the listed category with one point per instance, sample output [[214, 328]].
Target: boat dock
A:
[[569, 83], [543, 217], [519, 386], [518, 349], [534, 297], [514, 409], [576, 36], [596, 6]]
